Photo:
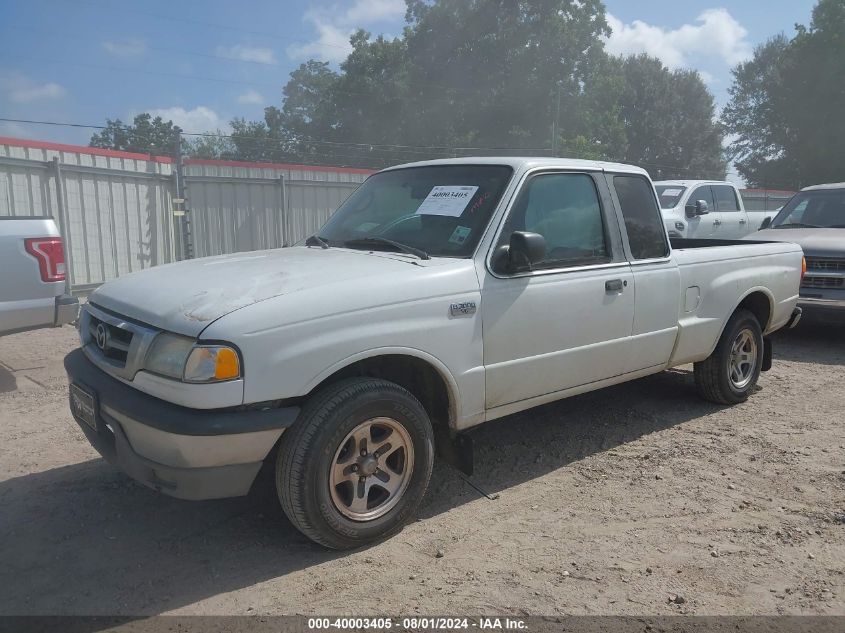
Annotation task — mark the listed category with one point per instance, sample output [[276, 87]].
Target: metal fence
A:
[[117, 214], [248, 206], [765, 199]]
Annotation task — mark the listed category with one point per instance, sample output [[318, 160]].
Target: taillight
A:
[[50, 255]]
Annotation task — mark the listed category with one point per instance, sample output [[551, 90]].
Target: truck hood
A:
[[187, 296], [817, 242]]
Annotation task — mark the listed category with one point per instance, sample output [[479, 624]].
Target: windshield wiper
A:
[[364, 241], [316, 240], [796, 225]]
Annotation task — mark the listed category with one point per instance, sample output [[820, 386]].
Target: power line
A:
[[361, 145], [371, 152]]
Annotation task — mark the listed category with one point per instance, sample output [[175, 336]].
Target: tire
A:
[[728, 378], [325, 484]]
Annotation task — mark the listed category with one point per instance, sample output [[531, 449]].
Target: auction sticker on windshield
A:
[[449, 200]]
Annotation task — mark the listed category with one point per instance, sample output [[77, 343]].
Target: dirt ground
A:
[[609, 503]]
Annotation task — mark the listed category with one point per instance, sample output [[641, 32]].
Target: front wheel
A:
[[730, 373], [356, 464]]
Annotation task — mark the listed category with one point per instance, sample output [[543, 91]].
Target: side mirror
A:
[[524, 251], [766, 223], [699, 208]]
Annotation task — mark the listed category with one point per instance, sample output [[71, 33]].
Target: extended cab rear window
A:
[[643, 221]]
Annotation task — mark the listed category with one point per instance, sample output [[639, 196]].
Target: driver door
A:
[[707, 225], [568, 321]]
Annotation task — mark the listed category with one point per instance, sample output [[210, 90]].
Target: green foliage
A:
[[213, 145], [470, 77], [146, 135], [496, 77], [669, 121], [787, 102]]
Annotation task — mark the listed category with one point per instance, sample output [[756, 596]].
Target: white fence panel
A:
[[115, 209]]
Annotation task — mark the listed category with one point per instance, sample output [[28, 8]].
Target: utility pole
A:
[[555, 122], [180, 210]]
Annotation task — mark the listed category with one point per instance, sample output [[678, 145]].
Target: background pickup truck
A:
[[708, 209], [439, 296], [32, 281]]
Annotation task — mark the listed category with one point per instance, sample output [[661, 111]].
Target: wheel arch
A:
[[425, 376], [758, 301]]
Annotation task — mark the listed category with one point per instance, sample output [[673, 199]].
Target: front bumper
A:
[[182, 452]]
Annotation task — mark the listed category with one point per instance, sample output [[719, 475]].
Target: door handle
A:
[[716, 222], [615, 285], [743, 221]]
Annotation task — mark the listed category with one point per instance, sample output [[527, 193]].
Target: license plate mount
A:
[[83, 405]]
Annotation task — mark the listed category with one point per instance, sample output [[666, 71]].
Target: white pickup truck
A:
[[32, 276], [439, 296], [707, 209]]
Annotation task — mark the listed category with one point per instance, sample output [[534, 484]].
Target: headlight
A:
[[182, 358], [208, 363], [168, 354]]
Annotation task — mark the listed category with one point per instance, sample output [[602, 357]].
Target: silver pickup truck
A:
[[439, 296], [815, 220], [33, 280]]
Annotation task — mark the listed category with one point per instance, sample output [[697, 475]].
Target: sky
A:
[[203, 62]]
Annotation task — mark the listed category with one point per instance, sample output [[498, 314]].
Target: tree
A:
[[753, 117], [211, 146], [489, 76], [146, 135], [669, 121], [786, 105]]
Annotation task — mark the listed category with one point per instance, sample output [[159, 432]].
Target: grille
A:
[[823, 282], [117, 340], [827, 265]]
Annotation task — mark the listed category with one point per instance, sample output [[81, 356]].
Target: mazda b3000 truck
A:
[[439, 296]]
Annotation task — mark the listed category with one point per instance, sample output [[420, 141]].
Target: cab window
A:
[[565, 210], [702, 193], [643, 221], [725, 198]]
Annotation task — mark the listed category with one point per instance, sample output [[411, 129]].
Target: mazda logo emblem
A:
[[102, 336]]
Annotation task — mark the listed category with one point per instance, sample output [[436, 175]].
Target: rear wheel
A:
[[730, 373], [356, 464]]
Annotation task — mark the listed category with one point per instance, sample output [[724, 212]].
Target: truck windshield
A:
[[670, 195], [823, 208], [441, 210]]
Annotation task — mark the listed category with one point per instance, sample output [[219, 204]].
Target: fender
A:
[[763, 326], [451, 384]]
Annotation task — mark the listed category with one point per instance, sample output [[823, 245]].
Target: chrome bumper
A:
[[822, 303]]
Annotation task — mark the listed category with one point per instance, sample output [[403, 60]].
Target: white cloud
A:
[[19, 88], [715, 34], [333, 27], [246, 53], [251, 97], [200, 119], [708, 78], [132, 47]]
